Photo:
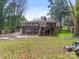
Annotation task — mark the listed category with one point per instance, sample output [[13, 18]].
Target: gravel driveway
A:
[[16, 35]]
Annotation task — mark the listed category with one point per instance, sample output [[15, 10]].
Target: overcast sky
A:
[[37, 8]]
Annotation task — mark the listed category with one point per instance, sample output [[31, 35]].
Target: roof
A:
[[39, 20]]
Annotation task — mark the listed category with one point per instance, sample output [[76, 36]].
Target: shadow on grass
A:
[[61, 34]]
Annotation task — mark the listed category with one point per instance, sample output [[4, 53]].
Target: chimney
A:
[[43, 18]]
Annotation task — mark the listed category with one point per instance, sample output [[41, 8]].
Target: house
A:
[[39, 27]]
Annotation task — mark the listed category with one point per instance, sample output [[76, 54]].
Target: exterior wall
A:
[[33, 28]]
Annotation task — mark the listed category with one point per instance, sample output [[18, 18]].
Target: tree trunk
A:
[[76, 26]]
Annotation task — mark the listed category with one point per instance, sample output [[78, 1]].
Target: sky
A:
[[37, 8]]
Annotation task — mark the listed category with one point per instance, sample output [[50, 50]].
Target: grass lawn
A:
[[44, 47]]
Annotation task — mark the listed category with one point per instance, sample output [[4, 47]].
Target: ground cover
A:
[[43, 47]]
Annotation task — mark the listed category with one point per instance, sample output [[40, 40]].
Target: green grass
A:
[[64, 33], [44, 47]]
